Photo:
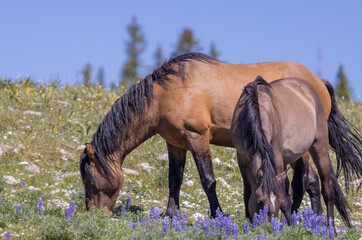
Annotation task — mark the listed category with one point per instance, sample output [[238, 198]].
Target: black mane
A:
[[113, 127], [253, 137]]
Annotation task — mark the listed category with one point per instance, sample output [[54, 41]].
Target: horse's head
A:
[[275, 200], [101, 190]]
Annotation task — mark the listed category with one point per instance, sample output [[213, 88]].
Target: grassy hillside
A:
[[43, 129]]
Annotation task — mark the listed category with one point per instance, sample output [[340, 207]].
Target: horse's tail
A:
[[340, 201], [346, 141], [253, 137]]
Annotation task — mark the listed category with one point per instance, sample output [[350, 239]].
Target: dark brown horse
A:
[[189, 101], [274, 125]]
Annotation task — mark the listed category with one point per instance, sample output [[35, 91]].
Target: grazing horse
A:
[[274, 125], [189, 101]]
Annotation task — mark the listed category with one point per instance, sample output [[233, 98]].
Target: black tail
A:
[[340, 201], [346, 141]]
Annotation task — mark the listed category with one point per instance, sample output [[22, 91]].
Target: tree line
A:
[[136, 45]]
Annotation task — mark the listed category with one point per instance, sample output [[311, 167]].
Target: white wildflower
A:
[[216, 161], [189, 183]]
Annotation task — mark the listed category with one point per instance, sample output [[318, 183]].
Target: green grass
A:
[[53, 141]]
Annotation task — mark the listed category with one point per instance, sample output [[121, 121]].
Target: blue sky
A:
[[45, 39]]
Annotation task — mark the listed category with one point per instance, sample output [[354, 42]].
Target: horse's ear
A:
[[281, 176], [90, 150], [259, 175]]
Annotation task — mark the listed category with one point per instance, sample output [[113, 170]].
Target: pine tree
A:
[[159, 58], [100, 77], [187, 43], [134, 47], [213, 52], [86, 74], [342, 89]]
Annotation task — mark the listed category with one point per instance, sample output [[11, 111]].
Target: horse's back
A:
[[203, 100], [299, 112]]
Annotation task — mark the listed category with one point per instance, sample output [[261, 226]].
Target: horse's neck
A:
[[137, 132]]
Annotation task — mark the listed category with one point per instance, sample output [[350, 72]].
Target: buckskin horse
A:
[[274, 125], [189, 101]]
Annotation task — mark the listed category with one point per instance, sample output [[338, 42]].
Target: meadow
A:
[[43, 128]]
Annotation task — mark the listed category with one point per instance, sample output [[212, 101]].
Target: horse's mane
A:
[[253, 137], [113, 127]]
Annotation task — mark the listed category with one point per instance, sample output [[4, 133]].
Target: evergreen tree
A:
[[86, 74], [100, 77], [134, 47], [213, 52], [159, 58], [342, 88], [187, 43]]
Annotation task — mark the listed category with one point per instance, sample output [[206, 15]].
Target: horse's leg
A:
[[245, 172], [298, 183], [177, 158], [319, 152], [305, 179], [286, 204], [314, 190], [200, 149]]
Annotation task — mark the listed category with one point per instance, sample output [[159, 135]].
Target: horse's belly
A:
[[221, 137], [294, 148]]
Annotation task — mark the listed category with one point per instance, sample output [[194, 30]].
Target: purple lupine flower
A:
[[331, 228], [341, 230], [246, 228], [212, 226], [128, 202], [265, 213], [23, 183], [40, 205], [130, 187], [197, 225], [235, 230], [299, 216], [8, 236], [238, 213], [322, 220], [72, 206], [155, 213], [218, 223], [316, 231], [255, 221], [275, 224], [227, 226], [166, 225], [176, 222], [68, 216], [132, 225], [145, 221], [123, 210], [307, 214], [19, 209], [261, 237], [294, 219], [2, 196], [152, 212], [69, 212], [313, 221], [324, 231], [183, 222], [354, 228], [205, 226]]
